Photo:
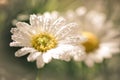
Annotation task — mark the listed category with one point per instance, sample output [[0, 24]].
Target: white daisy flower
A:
[[45, 38], [102, 39]]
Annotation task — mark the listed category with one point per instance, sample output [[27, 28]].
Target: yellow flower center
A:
[[91, 43], [43, 42]]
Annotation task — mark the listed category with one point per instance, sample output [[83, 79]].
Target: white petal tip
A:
[[40, 66], [17, 54], [28, 59], [18, 23], [33, 16], [11, 44]]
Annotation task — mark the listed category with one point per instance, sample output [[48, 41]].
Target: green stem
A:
[[38, 75], [83, 71], [105, 69]]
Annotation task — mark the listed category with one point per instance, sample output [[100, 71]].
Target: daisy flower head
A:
[[47, 37], [102, 38]]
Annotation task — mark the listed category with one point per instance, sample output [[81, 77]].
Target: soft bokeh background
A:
[[12, 68]]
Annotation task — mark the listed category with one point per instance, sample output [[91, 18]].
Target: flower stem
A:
[[38, 75], [83, 71], [105, 70]]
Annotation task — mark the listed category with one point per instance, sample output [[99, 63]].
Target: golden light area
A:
[[3, 2], [92, 42], [43, 42]]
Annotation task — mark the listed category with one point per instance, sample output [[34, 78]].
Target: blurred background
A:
[[12, 68]]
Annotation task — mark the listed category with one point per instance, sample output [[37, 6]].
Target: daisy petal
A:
[[66, 30], [22, 25], [46, 22], [47, 57], [74, 39], [33, 56], [24, 51], [20, 36], [61, 52], [77, 53], [89, 63], [66, 52], [104, 52], [33, 20], [57, 25], [14, 44], [36, 23], [40, 63]]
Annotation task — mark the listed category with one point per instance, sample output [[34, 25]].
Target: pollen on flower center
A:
[[91, 43], [43, 42]]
